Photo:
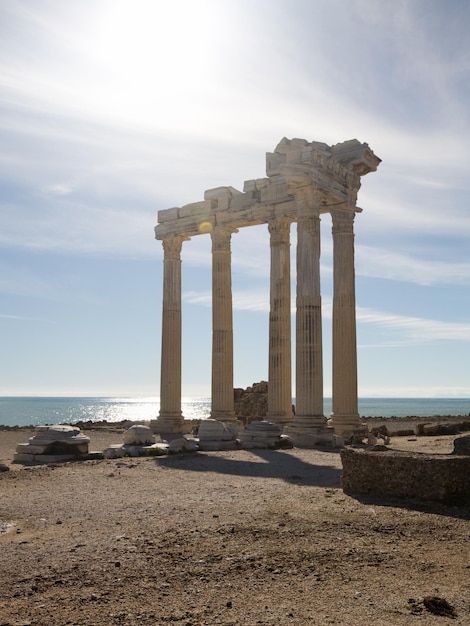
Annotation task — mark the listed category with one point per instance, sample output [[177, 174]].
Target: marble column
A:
[[280, 366], [170, 419], [222, 407], [345, 416], [309, 426]]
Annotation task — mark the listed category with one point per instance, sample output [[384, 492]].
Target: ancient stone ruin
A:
[[304, 180], [53, 444], [138, 440], [251, 404], [384, 473]]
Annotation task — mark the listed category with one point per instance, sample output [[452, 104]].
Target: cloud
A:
[[413, 329], [19, 318], [385, 263], [256, 301]]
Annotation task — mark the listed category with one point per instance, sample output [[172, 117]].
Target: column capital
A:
[[221, 236], [172, 246], [279, 230], [343, 221]]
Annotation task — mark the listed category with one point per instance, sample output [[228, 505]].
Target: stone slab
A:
[[43, 458]]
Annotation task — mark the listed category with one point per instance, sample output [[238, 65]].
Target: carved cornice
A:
[[303, 178]]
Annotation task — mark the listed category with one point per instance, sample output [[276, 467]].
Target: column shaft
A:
[[170, 374], [309, 365], [280, 365], [222, 407], [345, 416]]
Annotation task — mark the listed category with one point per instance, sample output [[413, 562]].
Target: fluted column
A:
[[345, 416], [222, 407], [309, 353], [280, 366], [170, 417], [309, 426]]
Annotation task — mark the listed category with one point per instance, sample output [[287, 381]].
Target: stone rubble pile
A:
[[53, 444]]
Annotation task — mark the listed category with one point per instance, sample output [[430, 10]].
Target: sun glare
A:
[[156, 55]]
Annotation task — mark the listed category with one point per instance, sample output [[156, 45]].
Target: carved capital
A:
[[343, 222], [279, 230], [172, 247], [221, 236]]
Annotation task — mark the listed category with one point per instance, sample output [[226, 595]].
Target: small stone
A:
[[439, 606]]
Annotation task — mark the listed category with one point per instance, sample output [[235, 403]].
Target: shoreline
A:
[[395, 423]]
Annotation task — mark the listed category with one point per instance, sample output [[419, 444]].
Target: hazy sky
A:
[[112, 110]]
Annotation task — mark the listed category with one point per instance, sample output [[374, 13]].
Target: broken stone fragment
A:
[[139, 435]]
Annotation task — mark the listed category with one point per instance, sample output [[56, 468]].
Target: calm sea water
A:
[[16, 411]]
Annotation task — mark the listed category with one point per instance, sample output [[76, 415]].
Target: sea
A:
[[41, 411]]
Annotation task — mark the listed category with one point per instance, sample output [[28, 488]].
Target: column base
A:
[[349, 427], [282, 419], [169, 426], [312, 432], [228, 417]]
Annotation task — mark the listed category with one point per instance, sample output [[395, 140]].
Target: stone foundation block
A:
[[462, 445], [397, 474]]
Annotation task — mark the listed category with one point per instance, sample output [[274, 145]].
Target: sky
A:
[[111, 110]]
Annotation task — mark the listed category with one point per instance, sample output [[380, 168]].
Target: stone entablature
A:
[[333, 171]]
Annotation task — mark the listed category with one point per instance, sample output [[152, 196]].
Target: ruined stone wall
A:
[[397, 474], [251, 403]]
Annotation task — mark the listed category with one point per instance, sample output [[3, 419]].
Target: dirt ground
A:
[[258, 537]]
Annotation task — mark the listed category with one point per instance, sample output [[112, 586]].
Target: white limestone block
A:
[[263, 426], [59, 432], [182, 444], [139, 435], [211, 429], [28, 448]]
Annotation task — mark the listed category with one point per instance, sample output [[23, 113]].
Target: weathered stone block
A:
[[139, 435], [462, 445], [397, 474]]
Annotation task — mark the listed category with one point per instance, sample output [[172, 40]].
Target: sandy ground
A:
[[257, 537]]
